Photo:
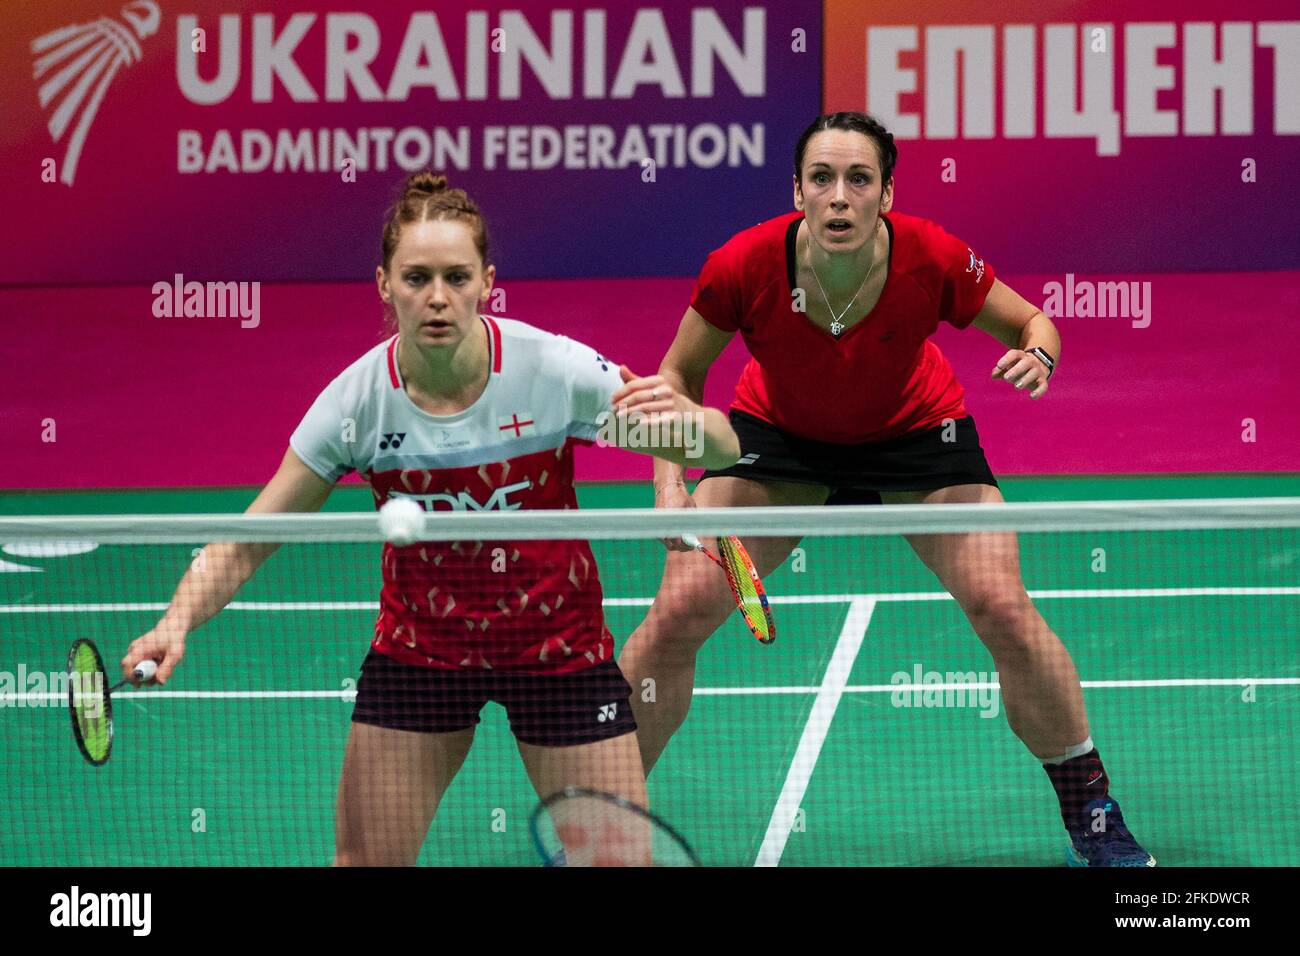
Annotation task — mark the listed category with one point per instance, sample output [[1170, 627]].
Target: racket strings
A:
[[748, 591], [587, 828], [90, 709]]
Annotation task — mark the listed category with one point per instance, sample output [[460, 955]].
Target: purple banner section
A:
[[256, 140], [1103, 135], [1178, 373]]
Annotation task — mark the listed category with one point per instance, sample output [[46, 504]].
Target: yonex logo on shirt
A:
[[608, 712]]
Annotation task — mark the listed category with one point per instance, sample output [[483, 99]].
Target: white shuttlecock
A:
[[401, 521]]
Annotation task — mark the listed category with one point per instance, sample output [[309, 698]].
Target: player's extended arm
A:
[[653, 417], [1020, 326], [223, 568], [685, 367]]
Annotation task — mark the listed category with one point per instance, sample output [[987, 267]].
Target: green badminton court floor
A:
[[800, 753]]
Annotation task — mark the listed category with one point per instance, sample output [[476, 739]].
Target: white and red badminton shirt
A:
[[532, 606]]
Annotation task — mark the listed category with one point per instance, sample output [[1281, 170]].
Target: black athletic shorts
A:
[[548, 710], [933, 458]]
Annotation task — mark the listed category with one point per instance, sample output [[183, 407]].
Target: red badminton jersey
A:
[[881, 378], [530, 606]]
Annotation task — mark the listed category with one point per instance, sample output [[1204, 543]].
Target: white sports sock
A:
[[1078, 750]]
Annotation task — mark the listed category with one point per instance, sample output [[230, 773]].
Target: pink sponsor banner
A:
[[98, 392], [1085, 136]]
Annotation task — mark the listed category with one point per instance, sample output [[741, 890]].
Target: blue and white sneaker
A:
[[1113, 845]]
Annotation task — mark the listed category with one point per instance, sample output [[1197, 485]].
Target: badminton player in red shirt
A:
[[459, 410], [846, 399]]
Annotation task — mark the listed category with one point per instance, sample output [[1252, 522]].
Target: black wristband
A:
[[1042, 356]]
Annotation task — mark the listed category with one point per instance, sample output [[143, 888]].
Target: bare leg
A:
[[611, 766], [1040, 685], [692, 602], [392, 783]]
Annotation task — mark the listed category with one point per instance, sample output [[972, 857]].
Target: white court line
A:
[[1041, 594], [1086, 593], [897, 596], [993, 685], [1194, 682], [814, 731], [35, 697]]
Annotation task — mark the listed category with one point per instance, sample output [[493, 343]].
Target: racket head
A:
[[747, 588], [89, 703], [581, 827]]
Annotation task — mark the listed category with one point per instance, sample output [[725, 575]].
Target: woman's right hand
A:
[[674, 495], [165, 644]]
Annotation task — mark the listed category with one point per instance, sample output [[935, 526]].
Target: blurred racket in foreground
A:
[[746, 585], [577, 827], [89, 699]]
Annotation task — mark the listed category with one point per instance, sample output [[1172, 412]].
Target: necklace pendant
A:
[[836, 327]]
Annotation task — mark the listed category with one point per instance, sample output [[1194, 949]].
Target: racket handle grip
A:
[[145, 670], [693, 541]]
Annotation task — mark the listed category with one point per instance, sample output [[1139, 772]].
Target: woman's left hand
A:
[[1023, 371], [651, 396]]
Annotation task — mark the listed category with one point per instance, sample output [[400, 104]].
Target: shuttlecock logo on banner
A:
[[76, 64]]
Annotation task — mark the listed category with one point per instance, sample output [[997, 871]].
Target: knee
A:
[[1006, 621], [681, 620]]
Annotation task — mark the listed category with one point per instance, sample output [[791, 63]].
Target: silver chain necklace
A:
[[836, 325]]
